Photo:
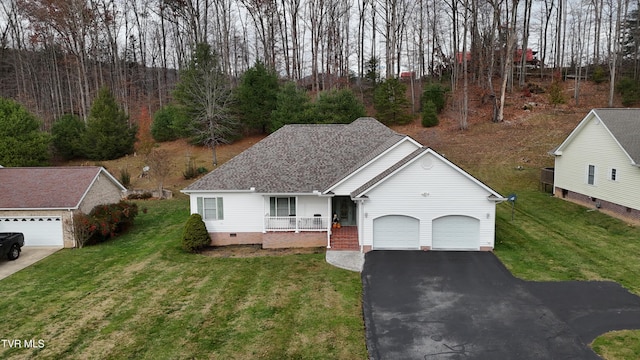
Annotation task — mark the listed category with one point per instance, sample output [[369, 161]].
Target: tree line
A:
[[56, 55], [205, 109]]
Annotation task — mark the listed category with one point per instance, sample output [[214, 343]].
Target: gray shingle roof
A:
[[301, 158], [624, 125]]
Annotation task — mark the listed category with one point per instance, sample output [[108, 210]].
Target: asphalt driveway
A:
[[466, 305]]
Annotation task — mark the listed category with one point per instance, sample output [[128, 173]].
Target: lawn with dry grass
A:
[[139, 296]]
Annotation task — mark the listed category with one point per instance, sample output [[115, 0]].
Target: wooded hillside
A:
[[55, 55]]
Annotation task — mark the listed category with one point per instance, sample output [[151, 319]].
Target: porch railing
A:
[[295, 223]]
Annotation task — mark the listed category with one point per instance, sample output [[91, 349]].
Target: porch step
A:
[[345, 238]]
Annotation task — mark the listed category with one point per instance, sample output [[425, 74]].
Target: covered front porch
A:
[[297, 213], [312, 213], [296, 223]]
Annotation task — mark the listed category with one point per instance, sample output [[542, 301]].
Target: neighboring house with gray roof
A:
[[388, 191], [40, 201], [598, 163]]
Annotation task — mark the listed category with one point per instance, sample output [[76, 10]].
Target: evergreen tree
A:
[[195, 236], [204, 93], [338, 107], [293, 106], [108, 134], [391, 103], [68, 134], [21, 141], [630, 91], [372, 70], [434, 93], [170, 123], [257, 97], [429, 114]]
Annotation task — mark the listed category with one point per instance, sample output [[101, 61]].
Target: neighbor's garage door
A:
[[396, 232], [38, 231], [456, 232]]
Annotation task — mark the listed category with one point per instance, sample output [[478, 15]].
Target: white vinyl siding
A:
[[594, 145], [242, 212], [245, 212], [428, 194], [374, 168], [210, 208]]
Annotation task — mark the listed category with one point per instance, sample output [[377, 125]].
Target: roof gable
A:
[[623, 125], [48, 187], [301, 158], [414, 156], [362, 165]]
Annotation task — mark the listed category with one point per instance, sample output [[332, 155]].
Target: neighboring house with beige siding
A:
[[40, 201], [598, 164], [388, 191]]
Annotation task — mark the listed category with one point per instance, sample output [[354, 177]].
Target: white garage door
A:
[[38, 231], [396, 232], [456, 232]]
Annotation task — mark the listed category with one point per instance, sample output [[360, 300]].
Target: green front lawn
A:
[[140, 296]]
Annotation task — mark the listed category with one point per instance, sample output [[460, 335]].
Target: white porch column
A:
[[330, 218], [297, 212], [264, 217]]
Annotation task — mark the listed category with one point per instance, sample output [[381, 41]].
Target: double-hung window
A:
[[614, 174], [282, 206], [210, 208], [591, 175]]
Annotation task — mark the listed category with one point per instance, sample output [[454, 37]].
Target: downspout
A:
[[73, 230]]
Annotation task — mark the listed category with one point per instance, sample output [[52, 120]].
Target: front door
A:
[[346, 210]]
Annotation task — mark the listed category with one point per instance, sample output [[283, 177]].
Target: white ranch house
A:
[[388, 191]]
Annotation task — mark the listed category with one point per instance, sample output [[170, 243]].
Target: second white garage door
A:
[[396, 232], [456, 232], [38, 231]]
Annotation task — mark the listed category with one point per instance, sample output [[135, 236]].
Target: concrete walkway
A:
[[28, 256], [345, 259]]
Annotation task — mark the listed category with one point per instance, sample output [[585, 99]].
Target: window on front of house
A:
[[210, 208], [614, 174], [591, 175], [282, 206]]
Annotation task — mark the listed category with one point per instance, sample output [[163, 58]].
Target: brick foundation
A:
[[241, 238], [609, 208], [486, 248], [366, 248], [280, 239], [425, 248]]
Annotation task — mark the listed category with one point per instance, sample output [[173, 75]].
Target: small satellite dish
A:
[[512, 199]]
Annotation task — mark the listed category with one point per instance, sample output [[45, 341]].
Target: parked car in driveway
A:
[[11, 244]]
